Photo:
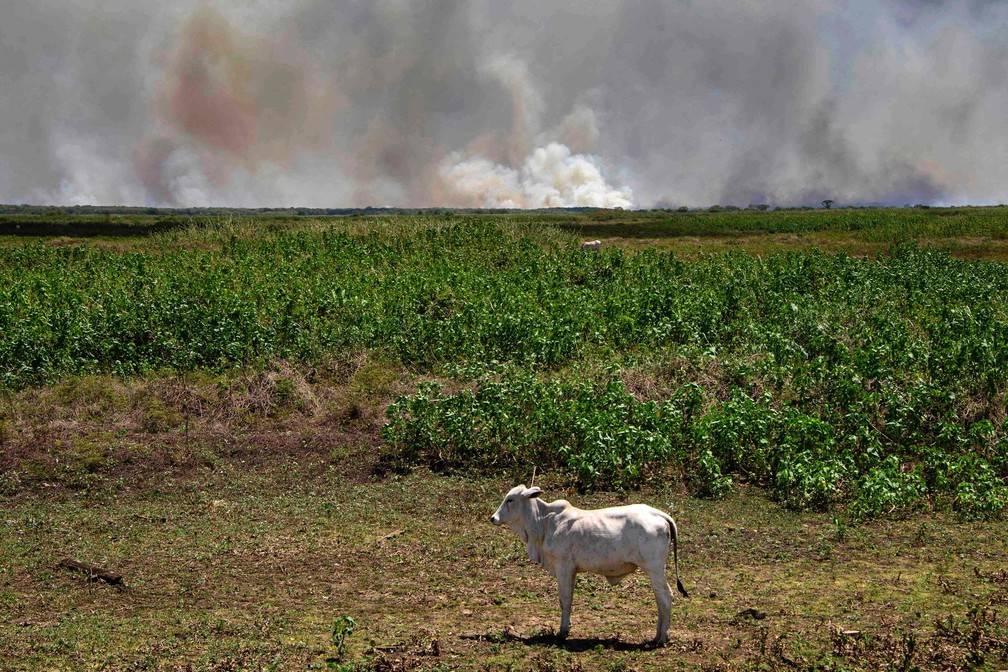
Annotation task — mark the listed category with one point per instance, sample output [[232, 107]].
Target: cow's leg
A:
[[565, 579], [663, 597]]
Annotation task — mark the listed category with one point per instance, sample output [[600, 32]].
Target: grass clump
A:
[[79, 464]]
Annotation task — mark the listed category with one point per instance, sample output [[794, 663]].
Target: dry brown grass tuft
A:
[[100, 432]]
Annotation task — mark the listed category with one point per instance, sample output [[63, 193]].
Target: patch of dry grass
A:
[[849, 243], [101, 433], [236, 569]]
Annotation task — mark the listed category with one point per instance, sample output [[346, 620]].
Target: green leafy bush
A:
[[887, 488], [598, 435], [596, 432], [978, 491]]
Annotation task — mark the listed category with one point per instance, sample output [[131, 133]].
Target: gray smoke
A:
[[520, 104]]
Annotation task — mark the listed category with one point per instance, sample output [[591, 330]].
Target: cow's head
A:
[[512, 510]]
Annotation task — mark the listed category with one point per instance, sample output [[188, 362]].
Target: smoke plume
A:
[[608, 103]]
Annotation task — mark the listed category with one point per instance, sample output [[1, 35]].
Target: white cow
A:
[[591, 245], [613, 542]]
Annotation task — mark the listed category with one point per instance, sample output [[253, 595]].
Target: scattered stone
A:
[[752, 613]]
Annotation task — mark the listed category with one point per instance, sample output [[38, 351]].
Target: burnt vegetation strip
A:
[[879, 224], [31, 226]]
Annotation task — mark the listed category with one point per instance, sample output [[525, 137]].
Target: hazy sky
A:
[[495, 103]]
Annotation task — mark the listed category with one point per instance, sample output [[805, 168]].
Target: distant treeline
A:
[[50, 210]]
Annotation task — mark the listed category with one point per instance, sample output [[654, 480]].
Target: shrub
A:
[[707, 479], [805, 482], [978, 491], [886, 488], [596, 432]]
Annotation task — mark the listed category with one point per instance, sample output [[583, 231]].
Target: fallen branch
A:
[[94, 573], [388, 536]]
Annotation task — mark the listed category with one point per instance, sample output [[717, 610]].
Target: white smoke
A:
[[534, 169], [550, 177], [471, 102], [93, 173]]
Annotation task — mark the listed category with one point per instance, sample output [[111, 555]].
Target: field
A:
[[288, 433]]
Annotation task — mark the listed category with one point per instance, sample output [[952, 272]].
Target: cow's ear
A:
[[532, 492]]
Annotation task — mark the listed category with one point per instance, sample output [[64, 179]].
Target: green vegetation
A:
[[879, 383], [833, 379], [287, 432]]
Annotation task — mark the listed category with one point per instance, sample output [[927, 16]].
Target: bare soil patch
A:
[[244, 567]]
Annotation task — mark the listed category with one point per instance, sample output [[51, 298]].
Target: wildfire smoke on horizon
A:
[[473, 103]]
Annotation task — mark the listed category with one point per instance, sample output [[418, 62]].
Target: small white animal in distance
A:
[[591, 245]]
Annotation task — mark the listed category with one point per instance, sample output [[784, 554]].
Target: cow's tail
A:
[[674, 538]]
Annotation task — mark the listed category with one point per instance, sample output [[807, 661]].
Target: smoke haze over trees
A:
[[519, 104]]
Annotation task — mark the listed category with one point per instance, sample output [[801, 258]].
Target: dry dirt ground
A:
[[228, 567]]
